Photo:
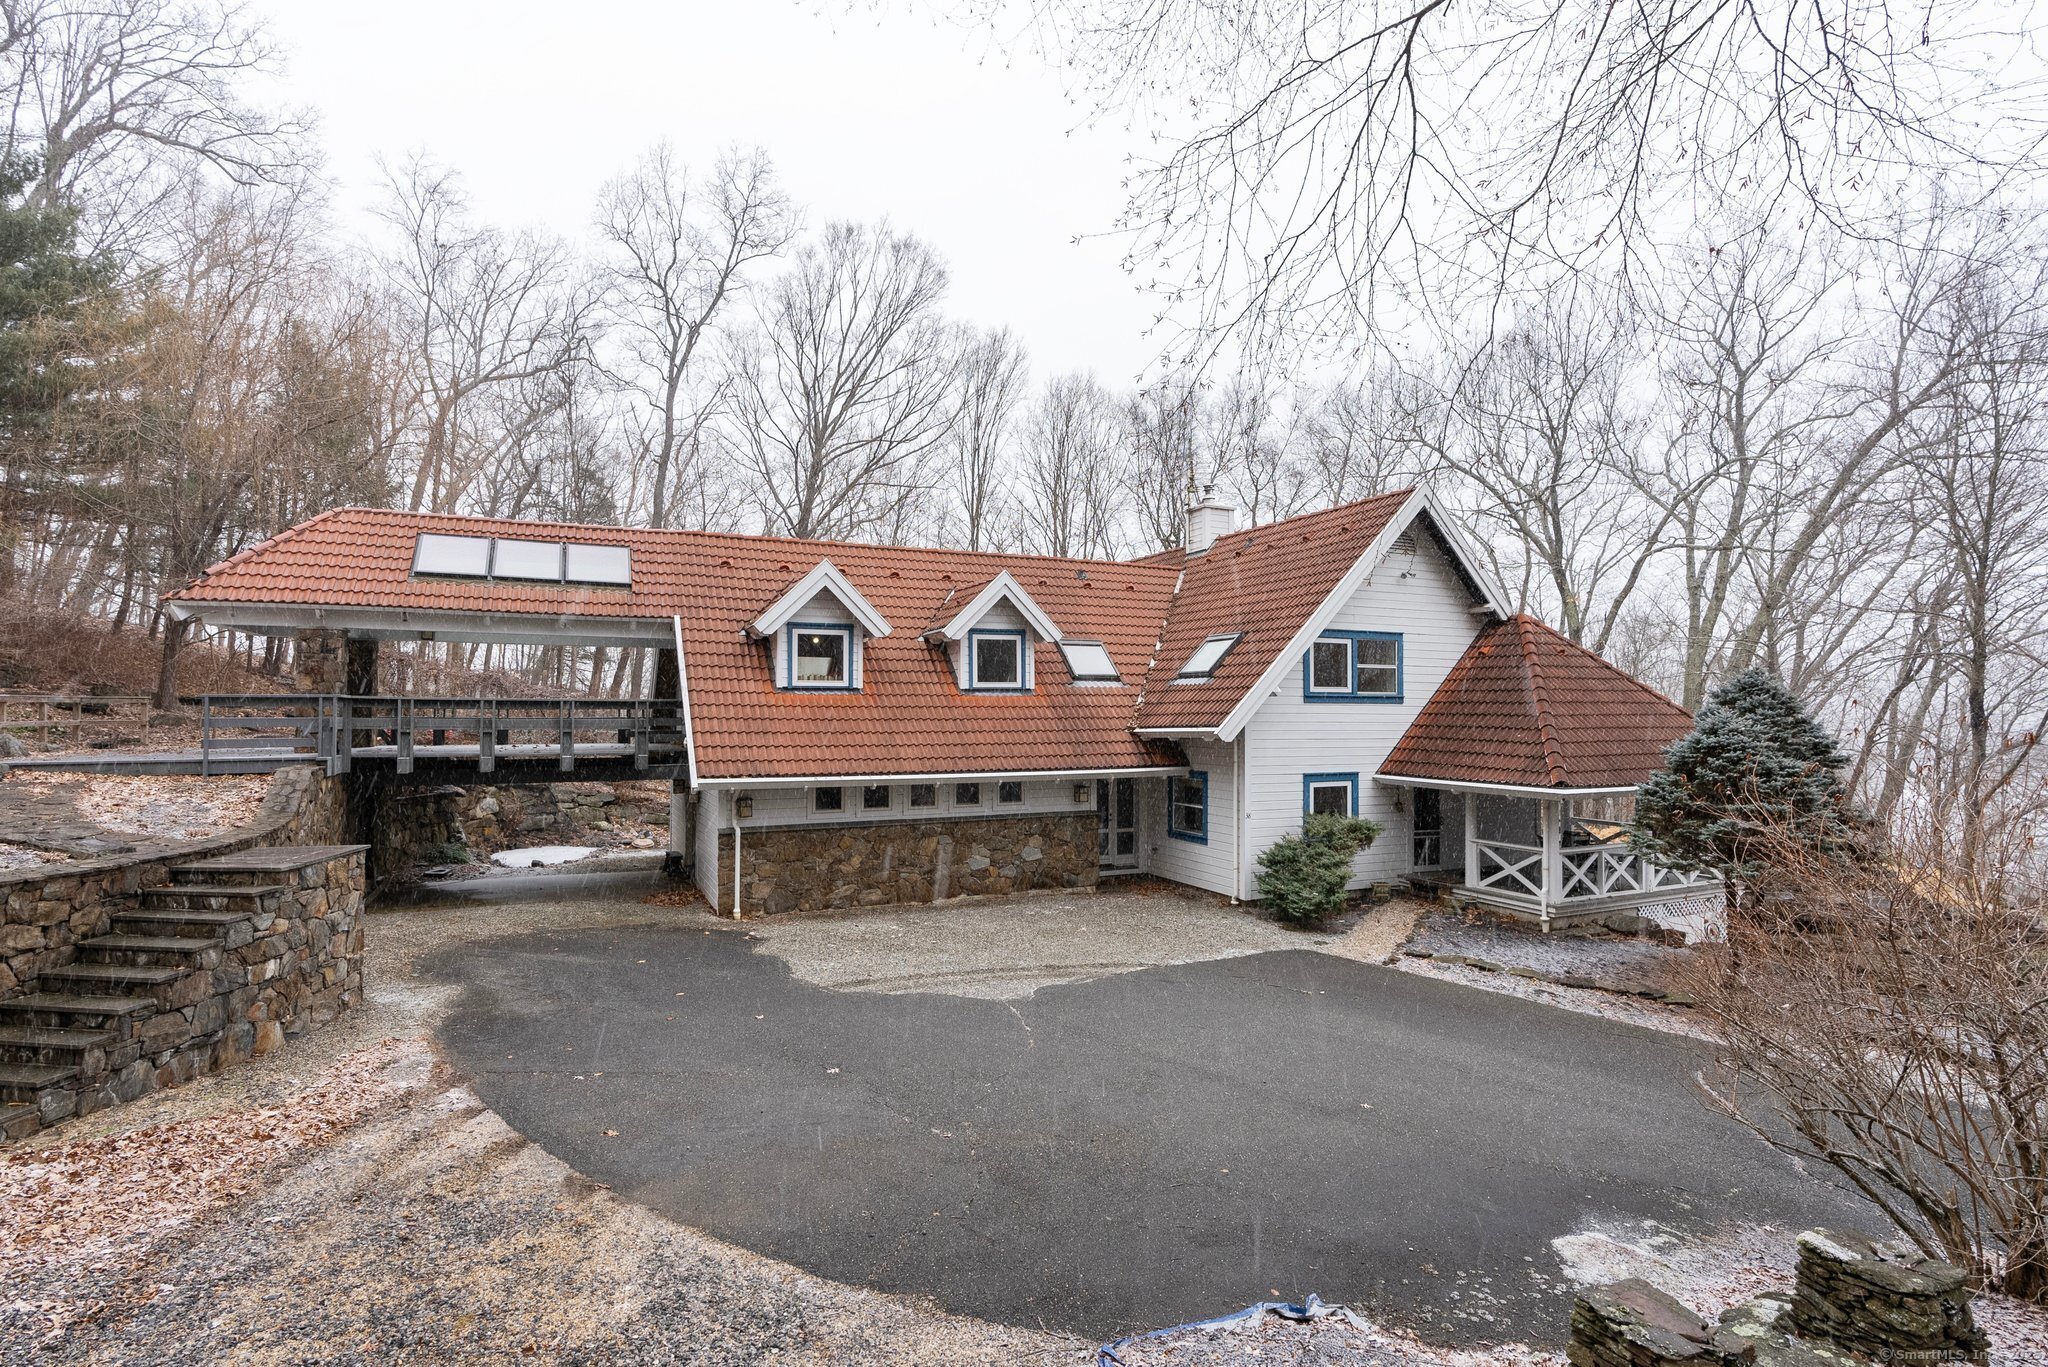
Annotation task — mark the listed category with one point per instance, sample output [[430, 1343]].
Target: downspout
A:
[[1244, 822], [735, 858]]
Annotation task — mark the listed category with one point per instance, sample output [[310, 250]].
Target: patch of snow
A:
[[537, 856], [1707, 1272]]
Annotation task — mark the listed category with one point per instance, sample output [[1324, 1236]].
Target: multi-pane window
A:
[[1187, 806], [828, 799], [819, 656], [1379, 666], [924, 794], [967, 795], [997, 659], [875, 797], [547, 562], [1353, 666], [1009, 792]]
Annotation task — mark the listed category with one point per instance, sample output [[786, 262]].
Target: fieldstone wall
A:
[[451, 824], [45, 911], [824, 867], [292, 962], [1853, 1301], [1633, 1324], [1901, 1307]]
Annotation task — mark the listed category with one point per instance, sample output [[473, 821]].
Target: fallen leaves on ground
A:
[[95, 1203], [156, 806]]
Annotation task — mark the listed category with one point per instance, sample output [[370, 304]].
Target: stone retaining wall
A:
[[45, 911], [1852, 1301], [820, 868], [294, 962], [457, 824], [1901, 1307]]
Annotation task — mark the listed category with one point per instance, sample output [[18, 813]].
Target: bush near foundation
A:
[[1302, 877]]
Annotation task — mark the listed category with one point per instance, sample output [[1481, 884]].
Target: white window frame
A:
[[976, 639], [911, 803], [980, 795], [1348, 682], [847, 665], [1358, 663], [888, 797], [1018, 801], [1342, 785], [818, 798]]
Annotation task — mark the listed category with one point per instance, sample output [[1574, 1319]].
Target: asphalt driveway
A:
[[1128, 1152]]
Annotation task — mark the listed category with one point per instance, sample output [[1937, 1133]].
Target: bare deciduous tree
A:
[[992, 376], [679, 257], [1067, 479], [844, 389]]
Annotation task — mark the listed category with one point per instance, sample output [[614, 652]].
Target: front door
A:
[[1116, 822], [1429, 828]]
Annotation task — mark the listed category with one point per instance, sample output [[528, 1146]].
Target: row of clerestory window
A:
[[997, 661]]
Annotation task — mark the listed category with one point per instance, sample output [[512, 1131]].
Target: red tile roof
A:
[[1263, 583], [910, 718], [1524, 706]]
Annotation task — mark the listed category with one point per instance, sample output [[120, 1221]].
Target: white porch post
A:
[[1553, 866], [1471, 839]]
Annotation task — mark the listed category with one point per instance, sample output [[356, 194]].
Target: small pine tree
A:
[[1302, 877], [1755, 764]]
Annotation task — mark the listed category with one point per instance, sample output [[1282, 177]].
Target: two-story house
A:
[[871, 724]]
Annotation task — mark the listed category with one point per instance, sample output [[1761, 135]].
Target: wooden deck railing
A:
[[340, 729], [46, 711], [1609, 869]]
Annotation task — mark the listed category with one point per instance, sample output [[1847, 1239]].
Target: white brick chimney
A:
[[1211, 517]]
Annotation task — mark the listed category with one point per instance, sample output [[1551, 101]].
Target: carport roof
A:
[[1526, 708]]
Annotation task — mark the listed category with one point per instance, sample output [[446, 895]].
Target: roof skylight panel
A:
[[599, 565], [515, 559], [464, 557], [1208, 655], [1087, 661]]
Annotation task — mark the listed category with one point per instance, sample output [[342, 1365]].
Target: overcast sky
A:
[[865, 114]]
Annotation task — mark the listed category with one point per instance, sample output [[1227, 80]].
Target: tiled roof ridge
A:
[[755, 538], [1539, 697], [1616, 670], [1333, 512]]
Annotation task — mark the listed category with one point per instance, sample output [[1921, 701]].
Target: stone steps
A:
[[237, 898], [184, 921], [26, 1082], [72, 1010], [182, 951], [51, 1045], [18, 1121]]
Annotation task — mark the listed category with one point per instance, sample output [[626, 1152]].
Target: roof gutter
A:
[[1506, 789], [782, 781], [427, 624]]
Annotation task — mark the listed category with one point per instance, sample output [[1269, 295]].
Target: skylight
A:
[[1208, 656], [1088, 661], [541, 562]]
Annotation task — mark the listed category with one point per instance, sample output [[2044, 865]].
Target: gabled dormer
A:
[[992, 636], [817, 629]]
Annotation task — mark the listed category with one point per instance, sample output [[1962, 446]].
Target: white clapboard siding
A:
[[712, 814], [824, 609], [1417, 594], [1214, 865], [792, 806]]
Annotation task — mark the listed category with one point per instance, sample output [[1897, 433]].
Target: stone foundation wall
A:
[[820, 868], [45, 911], [450, 825]]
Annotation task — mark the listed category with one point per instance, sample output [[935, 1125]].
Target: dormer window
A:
[[996, 660], [1089, 662], [820, 656], [817, 629], [1207, 658], [992, 634]]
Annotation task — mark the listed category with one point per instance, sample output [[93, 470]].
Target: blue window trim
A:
[[1201, 775], [1023, 684], [788, 681], [1309, 782], [1352, 694]]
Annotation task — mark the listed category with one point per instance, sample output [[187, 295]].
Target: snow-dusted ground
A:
[[1589, 1001], [539, 856], [14, 858]]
